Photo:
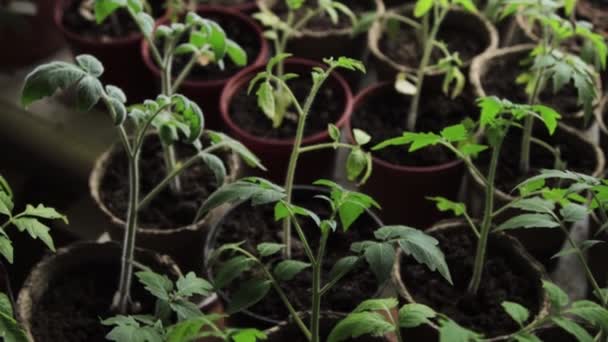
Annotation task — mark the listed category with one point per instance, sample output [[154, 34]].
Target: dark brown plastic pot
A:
[[120, 57], [31, 38], [182, 243], [206, 93], [402, 190], [482, 64], [82, 257], [470, 24], [275, 153], [508, 246], [248, 317], [289, 331]]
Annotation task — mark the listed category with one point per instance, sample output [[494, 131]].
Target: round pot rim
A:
[[359, 99], [240, 80], [479, 62], [403, 291], [58, 14], [228, 12], [99, 170], [377, 30], [211, 241], [347, 31]]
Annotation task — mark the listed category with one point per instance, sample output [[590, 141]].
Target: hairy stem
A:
[[480, 254], [316, 288], [412, 116]]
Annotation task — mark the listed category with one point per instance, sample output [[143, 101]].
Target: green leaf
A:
[[455, 133], [528, 221], [287, 269], [557, 296], [468, 5], [516, 311], [6, 204], [450, 331], [158, 285], [591, 312], [10, 331], [377, 304], [232, 269], [573, 328], [216, 165], [343, 266], [358, 324], [146, 23], [294, 4], [191, 284], [380, 257], [490, 108], [236, 53], [104, 8], [524, 337], [334, 132], [268, 248], [6, 248], [248, 294], [185, 309], [444, 204], [423, 247], [573, 212], [36, 230], [421, 140], [266, 100], [5, 187], [469, 149], [44, 212], [90, 65], [413, 315], [361, 137], [187, 330], [583, 246], [549, 116], [248, 335], [249, 158], [356, 163], [535, 204], [422, 7]]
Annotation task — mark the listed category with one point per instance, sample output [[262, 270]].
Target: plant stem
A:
[[412, 116], [184, 73], [172, 166], [316, 288], [524, 162], [128, 251], [480, 254], [333, 145]]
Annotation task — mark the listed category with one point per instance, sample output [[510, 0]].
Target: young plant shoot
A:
[[359, 162], [497, 117], [175, 301], [184, 119], [202, 39], [280, 31], [266, 272], [554, 64], [431, 14]]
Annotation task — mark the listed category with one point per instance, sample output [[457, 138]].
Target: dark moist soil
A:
[[73, 310], [75, 22], [228, 2], [292, 333], [257, 224], [502, 280], [500, 77], [323, 22], [327, 108], [404, 48], [578, 157], [168, 210], [384, 115], [236, 30]]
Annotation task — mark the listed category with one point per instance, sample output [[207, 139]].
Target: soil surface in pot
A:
[[168, 210], [237, 30], [404, 47], [258, 225], [502, 280], [383, 115], [72, 311], [292, 333], [327, 108], [323, 22], [579, 157], [121, 26], [500, 80]]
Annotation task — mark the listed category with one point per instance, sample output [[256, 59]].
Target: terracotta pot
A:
[[508, 246], [206, 93], [289, 331], [275, 153], [120, 57], [182, 243], [402, 190], [249, 317], [472, 25], [482, 64], [30, 38], [83, 257]]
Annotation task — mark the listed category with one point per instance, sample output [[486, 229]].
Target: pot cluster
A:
[[250, 196]]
